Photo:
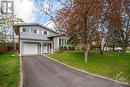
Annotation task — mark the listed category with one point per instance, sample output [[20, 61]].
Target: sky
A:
[[29, 11]]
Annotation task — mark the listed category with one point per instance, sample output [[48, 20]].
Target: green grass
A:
[[9, 70], [127, 49], [109, 64]]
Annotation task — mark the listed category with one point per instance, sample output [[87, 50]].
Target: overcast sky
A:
[[29, 10]]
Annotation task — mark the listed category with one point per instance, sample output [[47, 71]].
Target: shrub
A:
[[3, 48], [71, 48], [63, 48], [93, 47], [10, 46]]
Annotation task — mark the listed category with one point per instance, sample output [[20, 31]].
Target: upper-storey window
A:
[[45, 32], [25, 30], [34, 31]]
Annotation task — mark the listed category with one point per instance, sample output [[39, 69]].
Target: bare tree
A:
[[79, 19], [86, 20], [119, 22], [8, 20]]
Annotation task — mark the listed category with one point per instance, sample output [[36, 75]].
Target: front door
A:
[[46, 48]]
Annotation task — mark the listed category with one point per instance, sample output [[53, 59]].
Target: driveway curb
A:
[[21, 73], [85, 71]]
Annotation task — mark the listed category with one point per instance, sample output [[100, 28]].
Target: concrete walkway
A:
[[40, 71]]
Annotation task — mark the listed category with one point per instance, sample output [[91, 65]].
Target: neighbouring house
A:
[[37, 39]]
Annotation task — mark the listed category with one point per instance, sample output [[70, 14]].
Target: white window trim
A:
[[38, 31], [42, 32]]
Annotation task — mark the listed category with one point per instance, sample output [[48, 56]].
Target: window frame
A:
[[65, 41], [25, 30], [34, 31], [60, 42], [45, 32]]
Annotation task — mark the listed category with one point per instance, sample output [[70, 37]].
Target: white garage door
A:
[[30, 48]]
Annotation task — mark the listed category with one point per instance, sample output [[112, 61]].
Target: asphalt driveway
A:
[[40, 71]]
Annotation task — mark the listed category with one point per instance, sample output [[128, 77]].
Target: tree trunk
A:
[[86, 52], [125, 44], [113, 47], [101, 49], [86, 55], [124, 49], [102, 46]]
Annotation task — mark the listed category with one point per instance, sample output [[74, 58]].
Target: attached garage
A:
[[30, 48]]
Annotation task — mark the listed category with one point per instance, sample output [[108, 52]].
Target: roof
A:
[[16, 26]]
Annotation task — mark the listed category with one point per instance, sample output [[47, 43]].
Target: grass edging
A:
[[85, 71], [21, 73]]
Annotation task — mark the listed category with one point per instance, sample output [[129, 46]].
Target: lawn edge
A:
[[85, 71], [21, 73]]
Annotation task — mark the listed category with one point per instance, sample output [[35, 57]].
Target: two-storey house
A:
[[37, 39]]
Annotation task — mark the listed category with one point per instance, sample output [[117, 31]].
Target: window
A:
[[59, 42], [45, 32], [65, 42], [34, 31], [62, 42], [25, 30]]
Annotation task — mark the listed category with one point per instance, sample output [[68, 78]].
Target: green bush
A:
[[71, 48], [93, 47], [10, 46], [63, 48]]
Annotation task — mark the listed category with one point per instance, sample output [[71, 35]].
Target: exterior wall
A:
[[40, 38], [39, 35], [26, 35], [56, 42], [39, 48], [39, 43]]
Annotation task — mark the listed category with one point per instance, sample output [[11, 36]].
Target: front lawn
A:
[[128, 49], [9, 69], [109, 64]]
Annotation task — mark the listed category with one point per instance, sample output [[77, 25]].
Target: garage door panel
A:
[[30, 48]]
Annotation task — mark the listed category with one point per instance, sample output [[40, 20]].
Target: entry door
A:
[[46, 48]]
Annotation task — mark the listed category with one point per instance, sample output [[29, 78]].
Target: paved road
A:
[[40, 71]]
